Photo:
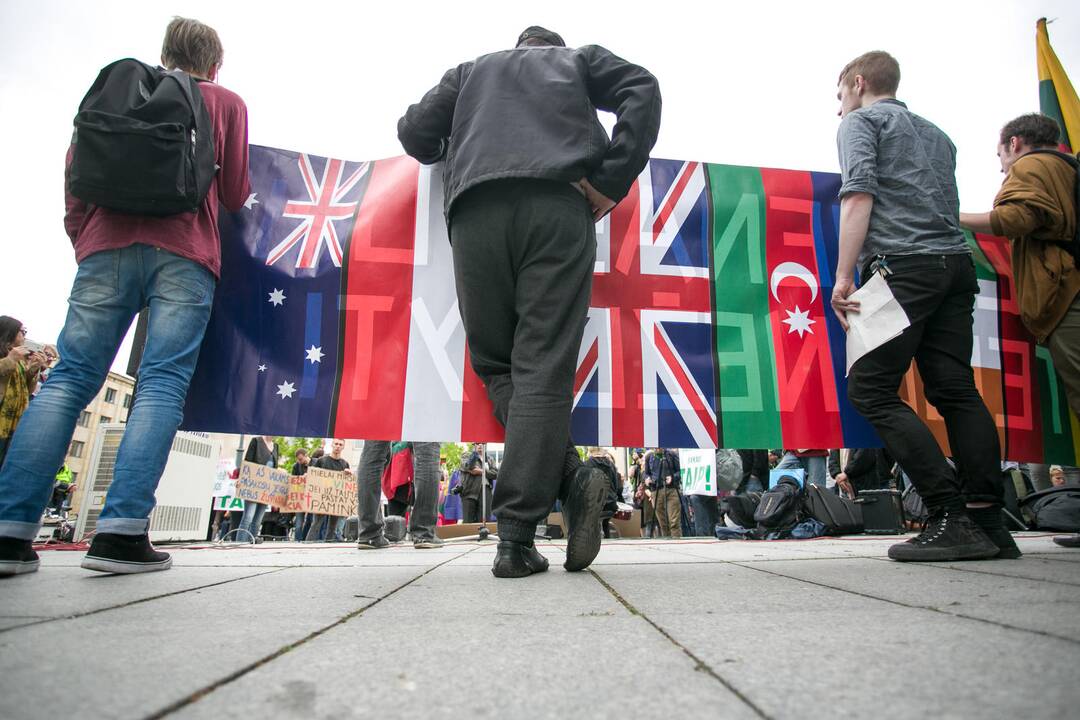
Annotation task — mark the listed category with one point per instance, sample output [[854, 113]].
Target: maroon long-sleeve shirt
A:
[[190, 235]]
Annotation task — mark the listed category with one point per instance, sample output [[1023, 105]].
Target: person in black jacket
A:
[[866, 469], [528, 170]]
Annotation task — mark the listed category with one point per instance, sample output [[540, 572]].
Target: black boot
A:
[[17, 556], [516, 560], [1069, 541], [581, 509], [949, 535], [124, 554], [990, 522]]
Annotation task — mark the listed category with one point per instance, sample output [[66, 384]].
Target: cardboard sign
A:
[[698, 471], [299, 499], [262, 484], [331, 492]]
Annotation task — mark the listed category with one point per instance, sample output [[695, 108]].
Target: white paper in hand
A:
[[879, 320]]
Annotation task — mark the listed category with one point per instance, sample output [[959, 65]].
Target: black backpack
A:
[[1057, 508], [779, 508], [740, 508], [839, 515], [143, 142], [1070, 244]]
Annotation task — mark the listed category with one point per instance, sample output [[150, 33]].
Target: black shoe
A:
[[1069, 541], [125, 554], [949, 535], [428, 543], [17, 556], [582, 507], [515, 560], [992, 524], [376, 543]]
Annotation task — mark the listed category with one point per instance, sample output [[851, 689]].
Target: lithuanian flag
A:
[[1057, 98]]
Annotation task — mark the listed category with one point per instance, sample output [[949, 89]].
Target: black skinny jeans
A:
[[938, 294]]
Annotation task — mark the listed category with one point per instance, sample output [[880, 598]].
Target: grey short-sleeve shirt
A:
[[909, 165]]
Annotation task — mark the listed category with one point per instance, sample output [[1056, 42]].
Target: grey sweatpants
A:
[[424, 515]]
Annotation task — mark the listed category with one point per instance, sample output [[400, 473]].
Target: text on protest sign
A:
[[331, 492], [698, 470], [298, 499], [262, 484]]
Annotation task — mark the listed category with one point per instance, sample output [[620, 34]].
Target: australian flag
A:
[[271, 352]]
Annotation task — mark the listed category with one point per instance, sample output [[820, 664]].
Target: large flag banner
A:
[[709, 325], [1057, 98]]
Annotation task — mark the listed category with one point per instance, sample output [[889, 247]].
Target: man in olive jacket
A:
[[528, 170], [1036, 210]]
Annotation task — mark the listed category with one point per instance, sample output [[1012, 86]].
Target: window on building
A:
[[106, 419], [110, 395], [76, 449], [127, 401], [84, 419]]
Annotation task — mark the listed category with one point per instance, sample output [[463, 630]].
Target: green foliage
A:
[[582, 451], [287, 447], [452, 452]]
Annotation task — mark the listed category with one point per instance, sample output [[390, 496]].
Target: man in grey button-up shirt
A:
[[899, 215]]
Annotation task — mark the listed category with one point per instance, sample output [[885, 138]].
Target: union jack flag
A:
[[646, 372], [326, 203]]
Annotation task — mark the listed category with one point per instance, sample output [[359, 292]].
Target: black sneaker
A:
[[17, 556], [949, 535], [1069, 541], [992, 524], [428, 543], [376, 543], [582, 507], [125, 554], [517, 560]]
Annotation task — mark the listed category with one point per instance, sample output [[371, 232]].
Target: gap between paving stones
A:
[[232, 677], [699, 664], [928, 608], [980, 572], [76, 616]]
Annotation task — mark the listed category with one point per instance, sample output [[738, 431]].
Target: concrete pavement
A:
[[692, 628]]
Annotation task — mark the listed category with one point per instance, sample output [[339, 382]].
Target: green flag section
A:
[[744, 350], [1057, 98]]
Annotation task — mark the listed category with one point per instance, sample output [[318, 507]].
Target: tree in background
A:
[[287, 447], [452, 452]]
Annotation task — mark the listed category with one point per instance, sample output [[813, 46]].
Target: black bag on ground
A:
[[143, 142], [778, 511], [740, 508], [882, 512], [1057, 508], [840, 515]]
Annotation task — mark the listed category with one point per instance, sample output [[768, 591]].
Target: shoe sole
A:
[[428, 546], [906, 553], [18, 567], [123, 567], [371, 547], [584, 528]]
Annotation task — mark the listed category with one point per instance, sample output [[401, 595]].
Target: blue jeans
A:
[[814, 467], [110, 288], [252, 521]]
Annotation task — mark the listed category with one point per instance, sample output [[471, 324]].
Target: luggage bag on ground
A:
[[840, 515], [882, 512]]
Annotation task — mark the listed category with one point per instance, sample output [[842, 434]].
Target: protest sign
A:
[[330, 492], [299, 499], [228, 502], [223, 484], [262, 484], [698, 471]]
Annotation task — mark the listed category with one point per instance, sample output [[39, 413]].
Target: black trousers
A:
[[523, 260], [938, 294]]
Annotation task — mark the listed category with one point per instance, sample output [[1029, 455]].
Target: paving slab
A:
[[835, 654], [133, 660], [457, 641]]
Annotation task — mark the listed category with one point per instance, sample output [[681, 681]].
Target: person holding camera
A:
[[20, 366]]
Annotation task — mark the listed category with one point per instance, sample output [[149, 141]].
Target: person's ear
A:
[[213, 73]]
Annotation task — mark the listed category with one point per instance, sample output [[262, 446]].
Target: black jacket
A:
[[867, 468], [257, 452], [531, 113]]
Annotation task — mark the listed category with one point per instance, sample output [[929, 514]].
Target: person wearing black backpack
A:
[[1037, 210], [168, 263]]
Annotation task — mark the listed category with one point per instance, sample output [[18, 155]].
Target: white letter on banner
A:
[[436, 339]]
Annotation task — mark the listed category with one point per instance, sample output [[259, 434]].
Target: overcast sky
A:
[[749, 83]]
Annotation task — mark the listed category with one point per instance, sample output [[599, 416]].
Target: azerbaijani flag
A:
[[1057, 98]]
